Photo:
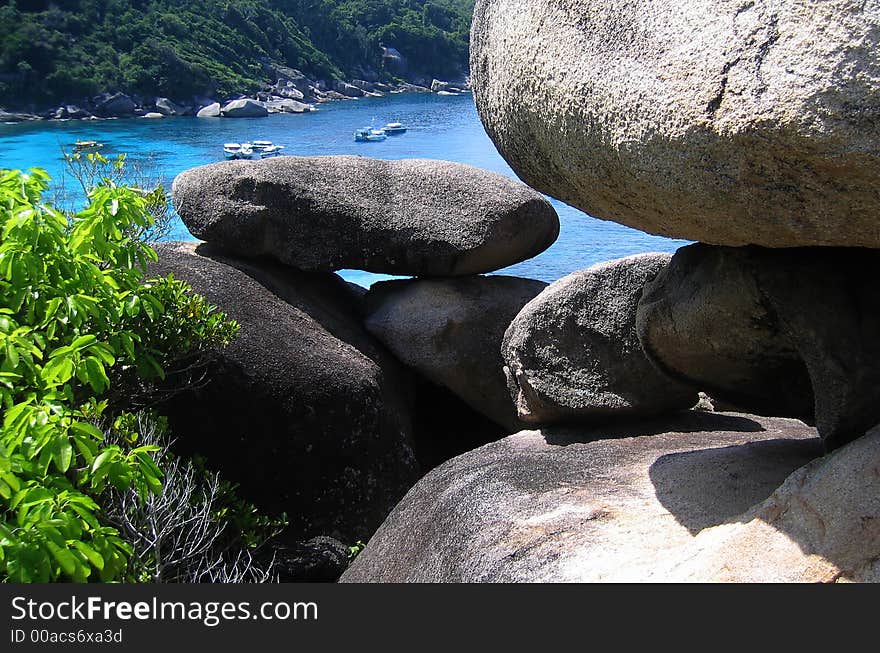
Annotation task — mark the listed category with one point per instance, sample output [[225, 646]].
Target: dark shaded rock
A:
[[318, 560], [394, 62], [117, 105], [244, 108], [304, 409], [450, 330], [445, 427], [413, 217], [572, 353], [573, 505], [168, 108], [348, 90], [705, 321], [790, 332], [731, 123]]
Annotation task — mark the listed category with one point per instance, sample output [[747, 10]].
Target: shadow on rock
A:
[[708, 487], [688, 421]]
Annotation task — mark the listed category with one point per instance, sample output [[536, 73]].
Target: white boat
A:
[[238, 150], [369, 135], [394, 128], [270, 150], [259, 146], [87, 146], [232, 150]]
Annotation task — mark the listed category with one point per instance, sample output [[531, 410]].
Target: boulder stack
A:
[[412, 217]]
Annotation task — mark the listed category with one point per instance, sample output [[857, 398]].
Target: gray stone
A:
[[821, 526], [348, 90], [244, 108], [727, 122], [450, 330], [168, 108], [786, 332], [304, 409], [210, 111], [572, 353], [287, 106], [606, 504], [413, 217], [117, 105]]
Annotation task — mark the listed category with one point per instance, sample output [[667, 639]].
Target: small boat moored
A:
[[266, 148], [270, 150], [238, 150], [394, 128], [369, 135], [87, 146]]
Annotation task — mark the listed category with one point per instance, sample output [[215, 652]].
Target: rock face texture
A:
[[785, 332], [116, 105], [244, 108], [572, 353], [210, 111], [822, 525], [723, 121], [412, 217], [304, 408], [450, 330], [570, 505]]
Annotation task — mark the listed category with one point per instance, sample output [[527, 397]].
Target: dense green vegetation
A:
[[56, 50], [83, 335]]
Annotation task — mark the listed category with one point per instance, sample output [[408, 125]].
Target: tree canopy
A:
[[58, 50]]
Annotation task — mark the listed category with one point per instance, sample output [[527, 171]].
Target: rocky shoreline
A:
[[293, 92]]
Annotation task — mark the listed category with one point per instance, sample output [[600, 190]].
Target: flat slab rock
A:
[[564, 505], [412, 217]]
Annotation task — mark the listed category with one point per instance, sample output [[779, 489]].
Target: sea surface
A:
[[440, 127]]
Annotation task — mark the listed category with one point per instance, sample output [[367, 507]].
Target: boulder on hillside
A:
[[304, 409], [730, 123], [348, 90], [168, 108], [244, 108], [287, 106], [450, 330], [412, 217], [572, 353], [115, 105], [790, 332], [210, 111], [603, 504], [394, 62]]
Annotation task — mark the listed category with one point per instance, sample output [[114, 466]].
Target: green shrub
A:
[[78, 320]]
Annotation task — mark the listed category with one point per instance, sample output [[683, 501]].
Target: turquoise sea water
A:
[[439, 128]]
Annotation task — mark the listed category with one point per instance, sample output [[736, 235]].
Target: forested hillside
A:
[[55, 50]]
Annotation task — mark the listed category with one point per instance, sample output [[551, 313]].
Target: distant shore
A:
[[293, 93]]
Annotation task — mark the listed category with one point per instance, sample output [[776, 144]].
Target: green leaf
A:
[[65, 558], [93, 556]]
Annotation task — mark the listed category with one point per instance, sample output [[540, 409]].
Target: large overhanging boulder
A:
[[722, 121]]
